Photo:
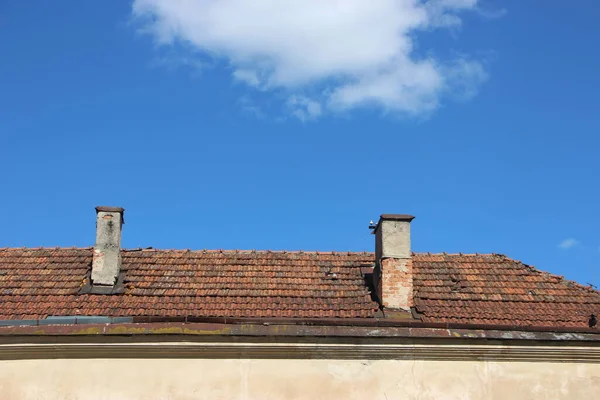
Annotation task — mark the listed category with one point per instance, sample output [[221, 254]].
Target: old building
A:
[[111, 323]]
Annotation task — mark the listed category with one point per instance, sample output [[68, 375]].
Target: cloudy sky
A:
[[324, 56], [291, 124]]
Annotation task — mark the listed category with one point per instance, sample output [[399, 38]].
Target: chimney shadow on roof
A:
[[369, 281]]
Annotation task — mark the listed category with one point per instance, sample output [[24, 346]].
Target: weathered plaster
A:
[[107, 251], [263, 379], [392, 239]]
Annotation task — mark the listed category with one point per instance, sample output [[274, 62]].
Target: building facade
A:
[[110, 323]]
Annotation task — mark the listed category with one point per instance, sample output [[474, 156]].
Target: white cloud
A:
[[492, 13], [304, 108], [568, 243], [341, 54], [248, 76]]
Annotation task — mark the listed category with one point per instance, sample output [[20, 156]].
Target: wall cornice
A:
[[442, 352]]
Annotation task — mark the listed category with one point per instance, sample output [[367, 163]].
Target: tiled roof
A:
[[36, 283], [478, 289], [493, 289]]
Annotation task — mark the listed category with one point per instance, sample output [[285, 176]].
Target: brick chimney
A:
[[393, 277], [106, 263]]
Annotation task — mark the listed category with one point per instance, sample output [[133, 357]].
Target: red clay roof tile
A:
[[459, 288], [36, 283], [494, 289]]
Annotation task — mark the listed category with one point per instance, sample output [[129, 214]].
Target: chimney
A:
[[393, 277], [106, 263]]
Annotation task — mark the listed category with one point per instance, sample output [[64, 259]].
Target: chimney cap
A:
[[396, 217], [110, 209], [390, 217]]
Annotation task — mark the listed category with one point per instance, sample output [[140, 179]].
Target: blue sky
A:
[[242, 128]]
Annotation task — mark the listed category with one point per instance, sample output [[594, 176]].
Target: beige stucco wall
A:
[[262, 379]]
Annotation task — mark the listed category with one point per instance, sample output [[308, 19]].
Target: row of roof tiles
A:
[[460, 288]]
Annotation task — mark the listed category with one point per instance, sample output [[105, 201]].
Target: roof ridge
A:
[[227, 251], [334, 252], [444, 254], [259, 251], [47, 248], [253, 251]]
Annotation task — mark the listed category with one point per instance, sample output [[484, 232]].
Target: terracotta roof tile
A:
[[493, 289], [459, 288], [36, 283]]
